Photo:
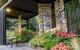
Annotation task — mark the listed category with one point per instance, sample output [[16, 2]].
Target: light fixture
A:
[[8, 9]]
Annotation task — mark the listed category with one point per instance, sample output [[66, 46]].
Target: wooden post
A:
[[27, 23], [19, 25]]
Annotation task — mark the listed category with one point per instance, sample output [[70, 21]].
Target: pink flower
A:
[[62, 34], [60, 46], [58, 33], [65, 34]]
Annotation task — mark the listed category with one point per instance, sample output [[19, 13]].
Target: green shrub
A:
[[47, 35], [49, 43], [78, 39], [10, 33], [27, 35]]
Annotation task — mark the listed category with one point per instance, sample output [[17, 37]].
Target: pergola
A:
[[27, 9]]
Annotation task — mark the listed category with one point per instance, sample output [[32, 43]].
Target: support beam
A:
[[26, 11], [27, 23], [19, 25], [2, 28], [44, 1]]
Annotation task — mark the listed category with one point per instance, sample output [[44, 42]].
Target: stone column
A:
[[44, 11], [61, 22]]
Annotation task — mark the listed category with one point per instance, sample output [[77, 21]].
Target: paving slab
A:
[[8, 47]]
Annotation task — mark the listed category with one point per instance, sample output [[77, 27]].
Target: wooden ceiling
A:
[[26, 8]]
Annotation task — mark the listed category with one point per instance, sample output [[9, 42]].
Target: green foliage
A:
[[11, 28], [46, 40], [67, 42], [10, 33], [33, 25], [78, 39], [26, 35], [18, 38], [37, 41], [11, 23], [47, 35], [49, 43]]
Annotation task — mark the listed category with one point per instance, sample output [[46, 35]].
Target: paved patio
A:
[[8, 47]]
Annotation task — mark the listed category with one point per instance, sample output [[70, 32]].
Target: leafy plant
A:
[[10, 33], [47, 40], [27, 35], [33, 25], [78, 38], [37, 41], [67, 42], [47, 35], [49, 43]]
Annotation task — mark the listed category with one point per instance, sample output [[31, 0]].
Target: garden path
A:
[[8, 47]]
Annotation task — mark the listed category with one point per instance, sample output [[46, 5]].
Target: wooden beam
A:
[[44, 1], [26, 11]]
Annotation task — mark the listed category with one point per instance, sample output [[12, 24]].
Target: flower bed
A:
[[60, 46], [54, 41]]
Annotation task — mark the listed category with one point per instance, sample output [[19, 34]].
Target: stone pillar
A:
[[61, 22], [44, 11]]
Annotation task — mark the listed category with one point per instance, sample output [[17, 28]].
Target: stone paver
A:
[[8, 47]]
